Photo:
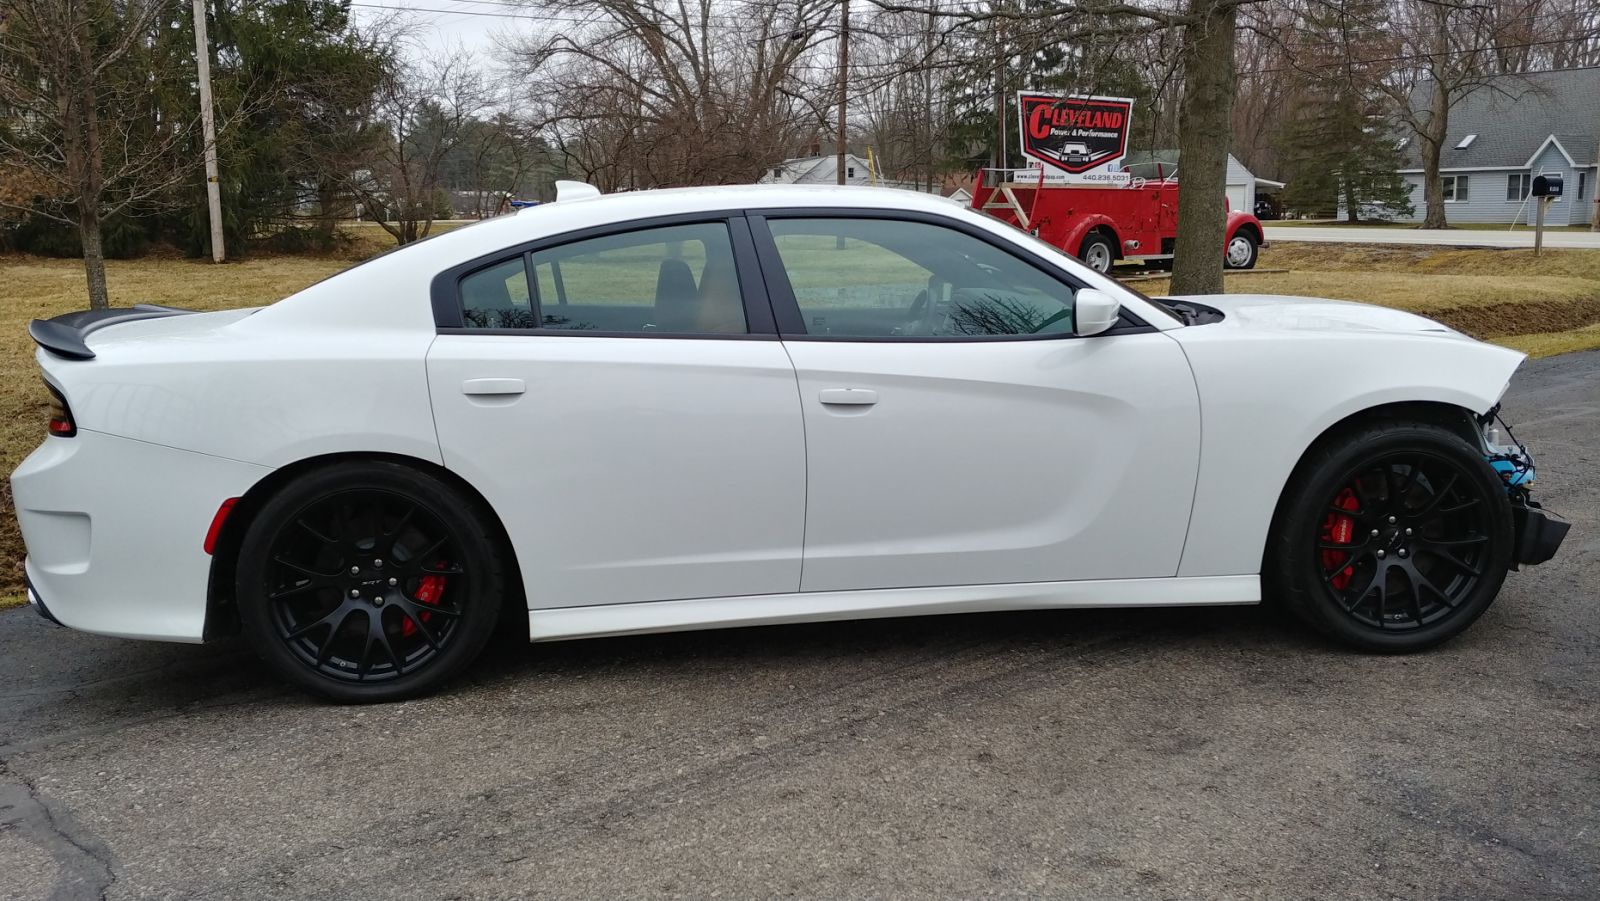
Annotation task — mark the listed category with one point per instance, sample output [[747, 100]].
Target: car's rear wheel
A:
[[1392, 537], [1097, 252], [369, 581]]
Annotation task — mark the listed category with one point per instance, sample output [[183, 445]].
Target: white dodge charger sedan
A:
[[734, 406]]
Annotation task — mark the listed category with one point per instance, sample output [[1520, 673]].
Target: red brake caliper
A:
[[429, 590], [1338, 529]]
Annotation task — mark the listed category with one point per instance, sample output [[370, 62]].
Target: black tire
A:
[[369, 581], [1242, 250], [1337, 560], [1097, 252]]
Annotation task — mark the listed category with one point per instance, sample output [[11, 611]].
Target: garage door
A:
[[1236, 198]]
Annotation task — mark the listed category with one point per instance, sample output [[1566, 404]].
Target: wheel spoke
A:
[[1413, 599], [1352, 601], [283, 561], [340, 613], [414, 614], [315, 533], [449, 569], [1409, 485], [1453, 561], [415, 560], [1351, 546], [1438, 496], [1328, 577], [1454, 542], [1464, 505], [302, 588], [1428, 583], [325, 650]]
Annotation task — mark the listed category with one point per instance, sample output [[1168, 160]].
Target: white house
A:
[[818, 170]]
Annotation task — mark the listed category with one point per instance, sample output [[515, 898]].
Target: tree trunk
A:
[[1203, 148], [1432, 187], [94, 255], [1432, 141]]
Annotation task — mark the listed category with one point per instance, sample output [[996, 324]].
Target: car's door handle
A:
[[493, 386], [861, 397]]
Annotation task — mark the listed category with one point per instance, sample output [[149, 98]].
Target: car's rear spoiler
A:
[[64, 334]]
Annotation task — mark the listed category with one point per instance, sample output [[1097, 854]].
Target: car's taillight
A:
[[61, 423]]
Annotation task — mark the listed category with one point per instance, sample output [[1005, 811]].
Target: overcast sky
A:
[[440, 25]]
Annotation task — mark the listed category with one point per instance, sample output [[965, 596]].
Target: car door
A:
[[958, 432], [621, 400]]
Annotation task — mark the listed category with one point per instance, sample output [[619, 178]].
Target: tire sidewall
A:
[[481, 604], [1313, 491]]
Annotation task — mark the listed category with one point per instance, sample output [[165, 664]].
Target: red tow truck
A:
[[1136, 221]]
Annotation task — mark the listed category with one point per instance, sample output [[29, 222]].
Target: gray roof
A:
[[1514, 115]]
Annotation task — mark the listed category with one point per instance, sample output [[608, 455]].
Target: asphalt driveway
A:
[[1146, 754]]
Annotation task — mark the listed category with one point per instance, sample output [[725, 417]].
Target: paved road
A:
[[1155, 754], [1522, 237]]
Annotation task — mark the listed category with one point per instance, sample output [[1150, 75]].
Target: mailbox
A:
[[1547, 186]]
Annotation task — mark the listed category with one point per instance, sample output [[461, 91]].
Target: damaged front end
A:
[[1538, 533]]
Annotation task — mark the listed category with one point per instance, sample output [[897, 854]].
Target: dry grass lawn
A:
[[1541, 307]]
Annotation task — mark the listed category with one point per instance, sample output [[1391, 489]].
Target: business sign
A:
[[1075, 138]]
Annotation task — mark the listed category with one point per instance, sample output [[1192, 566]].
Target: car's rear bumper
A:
[[115, 528]]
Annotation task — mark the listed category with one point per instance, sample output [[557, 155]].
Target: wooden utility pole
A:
[[844, 79], [999, 95], [208, 126]]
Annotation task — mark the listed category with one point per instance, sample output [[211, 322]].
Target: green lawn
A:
[[1464, 226]]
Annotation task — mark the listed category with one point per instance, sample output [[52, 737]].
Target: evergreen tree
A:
[[1339, 149]]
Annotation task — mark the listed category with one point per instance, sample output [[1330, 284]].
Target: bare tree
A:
[[1445, 50], [661, 92], [81, 125], [425, 111]]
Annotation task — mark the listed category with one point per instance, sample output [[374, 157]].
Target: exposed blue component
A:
[[1515, 469]]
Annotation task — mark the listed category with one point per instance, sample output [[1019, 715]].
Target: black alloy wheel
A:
[[369, 585], [1404, 541], [1393, 536]]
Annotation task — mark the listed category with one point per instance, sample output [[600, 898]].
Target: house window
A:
[[1455, 188], [1466, 142], [1518, 186], [777, 173], [850, 172], [1581, 178]]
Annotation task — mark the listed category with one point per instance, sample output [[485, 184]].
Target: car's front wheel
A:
[[369, 581], [1392, 537]]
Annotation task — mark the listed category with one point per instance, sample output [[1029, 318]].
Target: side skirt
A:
[[558, 623]]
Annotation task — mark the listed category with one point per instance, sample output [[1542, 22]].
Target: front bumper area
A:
[[115, 528], [1538, 535], [38, 602]]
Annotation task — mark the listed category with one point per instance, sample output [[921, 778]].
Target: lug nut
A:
[[1391, 519], [1374, 533], [377, 564], [355, 592], [355, 570], [1402, 552], [377, 600], [1380, 555], [1408, 531]]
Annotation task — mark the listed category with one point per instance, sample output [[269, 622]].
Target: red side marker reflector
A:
[[216, 523]]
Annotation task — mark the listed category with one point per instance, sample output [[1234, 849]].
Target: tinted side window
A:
[[882, 277], [497, 297], [677, 279]]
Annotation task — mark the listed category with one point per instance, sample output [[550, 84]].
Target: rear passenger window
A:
[[497, 297], [677, 279]]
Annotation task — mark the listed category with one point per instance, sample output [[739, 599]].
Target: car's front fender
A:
[[1267, 395]]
